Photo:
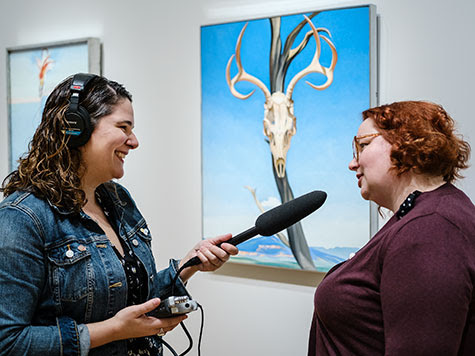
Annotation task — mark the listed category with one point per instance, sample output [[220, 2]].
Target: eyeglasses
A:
[[359, 147]]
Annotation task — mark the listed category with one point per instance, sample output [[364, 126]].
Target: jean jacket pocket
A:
[[72, 273]]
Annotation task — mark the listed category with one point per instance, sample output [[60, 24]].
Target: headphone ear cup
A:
[[79, 128]]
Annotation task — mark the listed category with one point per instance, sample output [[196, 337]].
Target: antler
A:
[[242, 75], [315, 66]]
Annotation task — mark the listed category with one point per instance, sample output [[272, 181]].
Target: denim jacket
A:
[[58, 271]]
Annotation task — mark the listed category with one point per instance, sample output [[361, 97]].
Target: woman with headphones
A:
[[77, 273]]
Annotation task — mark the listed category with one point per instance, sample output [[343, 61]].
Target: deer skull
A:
[[279, 119], [279, 127]]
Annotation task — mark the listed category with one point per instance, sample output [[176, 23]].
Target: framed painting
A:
[[281, 101], [33, 72]]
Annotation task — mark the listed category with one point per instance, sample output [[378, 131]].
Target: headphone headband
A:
[[80, 81]]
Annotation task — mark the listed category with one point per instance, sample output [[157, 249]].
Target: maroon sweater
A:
[[409, 291]]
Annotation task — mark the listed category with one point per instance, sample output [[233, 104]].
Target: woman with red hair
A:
[[411, 289]]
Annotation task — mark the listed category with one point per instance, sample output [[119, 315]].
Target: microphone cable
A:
[[167, 345], [201, 328], [182, 324], [188, 335], [190, 339]]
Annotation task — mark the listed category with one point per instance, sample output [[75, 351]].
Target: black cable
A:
[[189, 336], [175, 280], [201, 327], [189, 339], [169, 347]]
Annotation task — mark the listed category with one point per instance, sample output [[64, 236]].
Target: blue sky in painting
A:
[[234, 150]]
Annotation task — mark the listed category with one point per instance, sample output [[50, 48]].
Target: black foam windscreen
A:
[[276, 219], [285, 215]]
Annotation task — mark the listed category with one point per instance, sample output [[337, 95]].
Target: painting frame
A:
[[87, 57], [371, 218]]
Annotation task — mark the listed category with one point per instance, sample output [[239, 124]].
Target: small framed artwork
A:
[[33, 72], [281, 101]]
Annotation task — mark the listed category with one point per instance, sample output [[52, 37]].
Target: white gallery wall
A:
[[153, 47]]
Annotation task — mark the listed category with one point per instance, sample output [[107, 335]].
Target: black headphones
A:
[[78, 121]]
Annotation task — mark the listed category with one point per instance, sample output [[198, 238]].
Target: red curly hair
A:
[[422, 137]]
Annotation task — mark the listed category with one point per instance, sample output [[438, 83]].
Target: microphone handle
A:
[[243, 236]]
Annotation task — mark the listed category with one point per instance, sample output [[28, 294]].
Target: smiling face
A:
[[375, 179], [112, 139]]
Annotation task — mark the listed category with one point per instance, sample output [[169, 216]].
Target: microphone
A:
[[276, 219]]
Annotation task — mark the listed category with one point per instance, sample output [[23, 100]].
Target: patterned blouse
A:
[[136, 294]]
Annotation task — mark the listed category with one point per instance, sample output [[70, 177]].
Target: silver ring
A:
[[161, 332]]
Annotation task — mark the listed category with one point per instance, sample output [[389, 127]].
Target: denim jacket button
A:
[[69, 253], [144, 231], [135, 242]]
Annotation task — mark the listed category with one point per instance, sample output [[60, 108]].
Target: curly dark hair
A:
[[51, 170], [422, 137]]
